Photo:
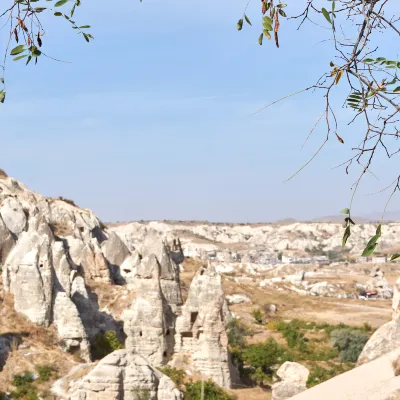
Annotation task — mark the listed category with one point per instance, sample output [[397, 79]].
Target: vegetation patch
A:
[[211, 391], [3, 175], [104, 344], [177, 375]]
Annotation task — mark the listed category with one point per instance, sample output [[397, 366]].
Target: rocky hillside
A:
[[64, 273], [261, 241]]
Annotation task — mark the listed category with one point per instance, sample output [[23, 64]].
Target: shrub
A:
[[45, 372], [236, 333], [258, 316], [141, 394], [263, 358], [104, 344], [349, 342], [177, 375], [211, 391], [23, 379]]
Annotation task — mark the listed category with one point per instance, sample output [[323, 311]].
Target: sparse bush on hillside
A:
[[61, 229], [141, 394], [237, 332], [211, 391], [23, 379], [104, 344], [319, 374], [45, 372], [24, 387], [349, 342], [258, 316], [3, 175], [263, 359], [177, 375]]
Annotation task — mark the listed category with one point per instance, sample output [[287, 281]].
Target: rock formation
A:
[[384, 340], [48, 248], [200, 329], [293, 379], [124, 375], [380, 284], [145, 322]]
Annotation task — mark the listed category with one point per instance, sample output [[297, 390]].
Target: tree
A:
[[371, 80], [26, 32], [373, 84]]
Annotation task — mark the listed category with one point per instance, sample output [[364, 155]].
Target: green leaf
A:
[[351, 221], [282, 13], [368, 60], [28, 60], [245, 17], [88, 26], [17, 50], [86, 37], [326, 15], [397, 89], [2, 96], [345, 211], [2, 80], [346, 235], [267, 34], [333, 5], [20, 57], [60, 3], [239, 25], [260, 39], [394, 257], [369, 250], [58, 14], [40, 9], [281, 5], [267, 20]]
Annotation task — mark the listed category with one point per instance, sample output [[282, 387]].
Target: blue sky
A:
[[152, 120]]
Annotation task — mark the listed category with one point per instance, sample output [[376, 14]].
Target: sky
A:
[[153, 119]]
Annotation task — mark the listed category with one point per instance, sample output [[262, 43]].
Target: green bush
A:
[[262, 359], [45, 372], [104, 344], [141, 394], [23, 379], [258, 316], [236, 333], [177, 375], [211, 391], [349, 342]]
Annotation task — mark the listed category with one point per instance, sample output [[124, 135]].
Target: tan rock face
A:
[[200, 329], [124, 375]]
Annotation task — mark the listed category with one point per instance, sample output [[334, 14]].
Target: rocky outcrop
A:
[[200, 329], [48, 248], [293, 379], [384, 340], [124, 375], [169, 269], [146, 322], [380, 284]]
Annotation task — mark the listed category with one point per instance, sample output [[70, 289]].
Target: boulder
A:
[[124, 375], [384, 340], [238, 298], [13, 215], [293, 379]]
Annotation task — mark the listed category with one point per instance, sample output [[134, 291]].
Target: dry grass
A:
[[61, 229], [65, 200], [3, 174], [32, 346]]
